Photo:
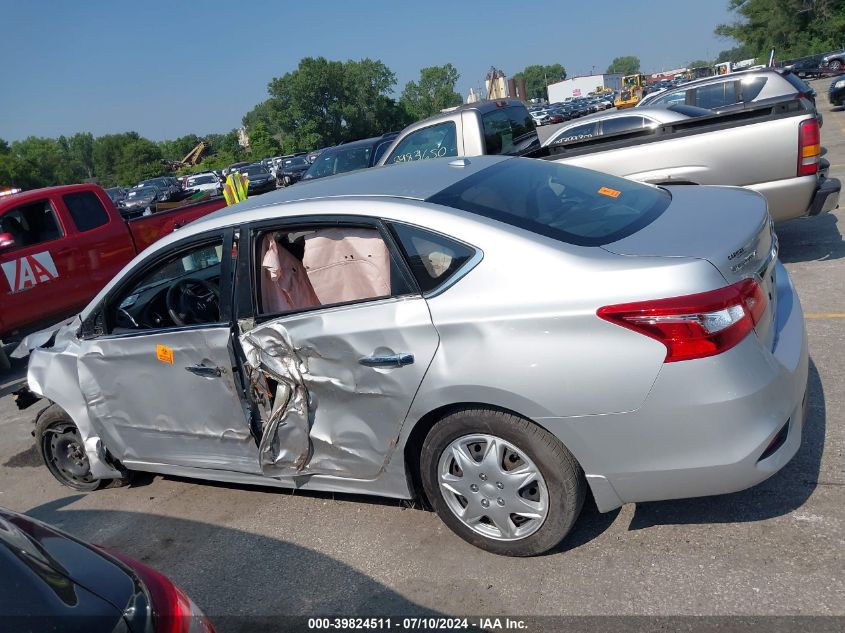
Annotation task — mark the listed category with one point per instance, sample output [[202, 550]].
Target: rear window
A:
[[799, 84], [509, 131], [566, 203]]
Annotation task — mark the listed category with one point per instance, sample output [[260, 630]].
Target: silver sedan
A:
[[495, 335], [622, 122]]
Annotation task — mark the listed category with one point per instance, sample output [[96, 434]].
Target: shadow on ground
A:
[[783, 493], [242, 581], [810, 239]]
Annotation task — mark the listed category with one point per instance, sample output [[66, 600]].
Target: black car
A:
[[117, 194], [139, 199], [834, 62], [260, 178], [55, 582], [836, 92], [291, 170], [169, 187], [805, 66], [349, 156]]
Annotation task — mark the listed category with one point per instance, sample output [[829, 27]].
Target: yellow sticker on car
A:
[[607, 191], [164, 354]]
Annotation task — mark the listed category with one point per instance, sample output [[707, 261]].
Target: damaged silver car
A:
[[495, 335]]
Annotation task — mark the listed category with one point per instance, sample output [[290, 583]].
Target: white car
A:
[[205, 181], [541, 117]]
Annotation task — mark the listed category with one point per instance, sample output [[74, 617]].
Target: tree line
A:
[[320, 103]]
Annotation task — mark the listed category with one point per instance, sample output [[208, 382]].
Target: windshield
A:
[[142, 192], [340, 161], [254, 170], [299, 161], [569, 204], [206, 179]]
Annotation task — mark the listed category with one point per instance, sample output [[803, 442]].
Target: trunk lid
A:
[[726, 226]]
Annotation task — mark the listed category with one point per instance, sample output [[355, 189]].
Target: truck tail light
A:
[[694, 326], [809, 147]]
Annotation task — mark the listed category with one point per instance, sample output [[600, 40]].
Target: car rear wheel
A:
[[501, 482], [835, 65], [63, 451]]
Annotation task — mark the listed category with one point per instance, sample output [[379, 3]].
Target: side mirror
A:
[[7, 241]]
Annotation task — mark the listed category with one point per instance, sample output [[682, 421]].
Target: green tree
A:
[[261, 142], [699, 63], [324, 102], [433, 92], [735, 54], [794, 28], [627, 65], [537, 77], [178, 148]]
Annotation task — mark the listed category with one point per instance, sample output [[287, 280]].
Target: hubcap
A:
[[493, 487]]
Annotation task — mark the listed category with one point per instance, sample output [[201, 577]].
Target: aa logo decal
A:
[[29, 271]]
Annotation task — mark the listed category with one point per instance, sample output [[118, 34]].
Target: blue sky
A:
[[165, 69]]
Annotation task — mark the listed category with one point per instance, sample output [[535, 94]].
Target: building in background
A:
[[583, 85], [496, 84]]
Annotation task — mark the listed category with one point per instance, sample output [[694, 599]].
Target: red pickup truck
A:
[[60, 245]]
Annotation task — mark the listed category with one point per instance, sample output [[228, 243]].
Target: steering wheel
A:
[[192, 301]]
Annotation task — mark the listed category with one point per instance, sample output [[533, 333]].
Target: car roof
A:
[[33, 195], [364, 142], [413, 181]]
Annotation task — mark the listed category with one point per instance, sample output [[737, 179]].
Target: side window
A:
[[86, 210], [673, 98], [435, 141], [577, 133], [749, 89], [434, 258], [509, 131], [717, 95], [183, 289], [301, 268], [31, 224], [622, 124]]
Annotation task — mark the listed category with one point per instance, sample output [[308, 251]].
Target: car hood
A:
[[138, 200], [47, 336]]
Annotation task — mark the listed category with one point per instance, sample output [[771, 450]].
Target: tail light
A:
[[694, 326], [172, 610], [809, 147]]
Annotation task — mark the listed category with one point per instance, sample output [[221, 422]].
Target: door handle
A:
[[205, 372], [387, 360]]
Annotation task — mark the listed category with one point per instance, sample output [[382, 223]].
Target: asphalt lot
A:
[[776, 549]]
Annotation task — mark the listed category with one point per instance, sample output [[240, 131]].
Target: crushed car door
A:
[[161, 383], [333, 383]]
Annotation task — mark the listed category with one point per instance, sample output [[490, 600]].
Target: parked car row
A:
[[559, 112], [819, 65]]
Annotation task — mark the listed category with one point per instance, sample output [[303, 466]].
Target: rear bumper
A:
[[706, 425], [792, 198], [826, 197]]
